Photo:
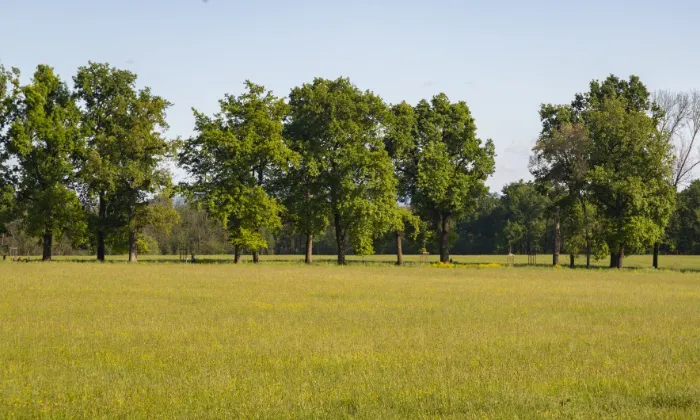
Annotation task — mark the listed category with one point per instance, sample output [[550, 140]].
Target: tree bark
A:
[[572, 261], [256, 257], [588, 256], [613, 259], [133, 250], [445, 240], [657, 245], [339, 238], [309, 248], [620, 256], [557, 238], [588, 237], [399, 248], [101, 229], [237, 254], [48, 244]]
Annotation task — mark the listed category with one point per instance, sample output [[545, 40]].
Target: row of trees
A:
[[83, 163], [609, 161], [87, 163]]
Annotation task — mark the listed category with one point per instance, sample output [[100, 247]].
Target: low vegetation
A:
[[289, 341]]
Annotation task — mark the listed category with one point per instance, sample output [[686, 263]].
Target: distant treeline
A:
[[334, 169]]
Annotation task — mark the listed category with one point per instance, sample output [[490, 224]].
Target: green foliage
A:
[[440, 163], [525, 213], [124, 165], [605, 154], [45, 141], [630, 174], [232, 159], [684, 229], [451, 163], [338, 132], [573, 229], [147, 245]]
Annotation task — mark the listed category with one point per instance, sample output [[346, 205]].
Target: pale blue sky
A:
[[503, 58]]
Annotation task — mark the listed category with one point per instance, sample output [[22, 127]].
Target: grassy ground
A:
[[289, 341], [670, 262]]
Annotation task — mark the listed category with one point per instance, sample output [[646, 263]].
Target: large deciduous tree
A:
[[142, 172], [442, 164], [231, 160], [630, 164], [306, 207], [45, 143], [560, 164], [126, 154], [338, 131], [107, 95]]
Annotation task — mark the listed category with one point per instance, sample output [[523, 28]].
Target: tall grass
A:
[[289, 341]]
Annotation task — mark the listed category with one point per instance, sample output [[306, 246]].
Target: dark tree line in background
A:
[[332, 169]]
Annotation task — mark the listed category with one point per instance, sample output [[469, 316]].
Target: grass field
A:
[[670, 262], [289, 341]]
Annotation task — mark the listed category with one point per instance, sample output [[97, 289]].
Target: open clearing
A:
[[285, 340]]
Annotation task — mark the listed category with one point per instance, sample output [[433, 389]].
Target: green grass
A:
[[669, 262], [289, 341]]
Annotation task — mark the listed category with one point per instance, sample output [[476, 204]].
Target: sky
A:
[[504, 58]]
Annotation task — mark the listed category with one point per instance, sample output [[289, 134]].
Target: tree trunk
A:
[[588, 256], [445, 240], [309, 248], [133, 250], [339, 239], [399, 249], [588, 237], [557, 238], [237, 254], [613, 259], [620, 256], [572, 261], [256, 257], [48, 244], [656, 255], [100, 229]]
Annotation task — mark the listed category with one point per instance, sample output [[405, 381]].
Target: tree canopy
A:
[[337, 129], [231, 160]]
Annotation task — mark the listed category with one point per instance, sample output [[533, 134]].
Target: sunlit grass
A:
[[285, 340], [669, 262]]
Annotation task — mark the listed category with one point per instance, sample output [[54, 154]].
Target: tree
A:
[[108, 96], [560, 165], [525, 212], [232, 159], [306, 207], [442, 163], [684, 229], [124, 167], [338, 132], [45, 142], [405, 220], [630, 164], [9, 89], [680, 125]]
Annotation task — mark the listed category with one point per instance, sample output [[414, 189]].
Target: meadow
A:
[[283, 340], [666, 262]]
